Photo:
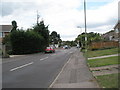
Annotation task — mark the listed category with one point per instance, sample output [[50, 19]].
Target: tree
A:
[[41, 29], [28, 41], [55, 38], [91, 37], [14, 24]]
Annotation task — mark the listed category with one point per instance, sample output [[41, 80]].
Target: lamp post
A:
[[85, 29], [85, 26]]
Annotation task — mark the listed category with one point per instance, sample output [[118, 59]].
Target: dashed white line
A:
[[43, 58], [21, 66]]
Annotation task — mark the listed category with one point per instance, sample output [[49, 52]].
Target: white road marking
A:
[[21, 66], [43, 58]]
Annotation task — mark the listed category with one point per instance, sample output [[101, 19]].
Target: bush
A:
[[26, 42], [10, 52]]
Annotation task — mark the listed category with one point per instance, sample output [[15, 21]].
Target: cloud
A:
[[103, 19], [8, 8], [62, 16]]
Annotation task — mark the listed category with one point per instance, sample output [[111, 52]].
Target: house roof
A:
[[5, 28], [110, 33], [117, 25]]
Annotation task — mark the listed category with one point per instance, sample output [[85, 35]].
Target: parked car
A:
[[49, 50]]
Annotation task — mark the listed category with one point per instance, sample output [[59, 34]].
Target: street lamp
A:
[[85, 29], [85, 26]]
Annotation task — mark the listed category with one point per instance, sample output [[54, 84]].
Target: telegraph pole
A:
[[85, 26]]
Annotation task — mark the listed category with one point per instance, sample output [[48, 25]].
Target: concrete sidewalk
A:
[[75, 74], [103, 56]]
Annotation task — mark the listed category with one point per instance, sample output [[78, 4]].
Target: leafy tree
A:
[[30, 41], [55, 38], [69, 43], [41, 29], [14, 24], [91, 37]]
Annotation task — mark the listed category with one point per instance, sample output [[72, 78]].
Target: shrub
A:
[[26, 42]]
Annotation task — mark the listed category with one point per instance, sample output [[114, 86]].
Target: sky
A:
[[62, 16]]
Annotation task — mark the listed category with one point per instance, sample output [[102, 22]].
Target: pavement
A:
[[103, 56], [105, 70], [75, 74]]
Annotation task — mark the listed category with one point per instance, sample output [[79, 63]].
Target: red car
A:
[[49, 50]]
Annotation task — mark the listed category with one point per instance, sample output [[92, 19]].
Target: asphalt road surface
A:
[[34, 70]]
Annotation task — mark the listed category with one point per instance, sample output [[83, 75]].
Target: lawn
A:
[[102, 52], [104, 61], [108, 81]]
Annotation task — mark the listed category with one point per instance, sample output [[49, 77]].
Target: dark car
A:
[[66, 47], [49, 50]]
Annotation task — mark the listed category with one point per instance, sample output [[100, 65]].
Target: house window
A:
[[116, 30], [110, 37], [1, 34]]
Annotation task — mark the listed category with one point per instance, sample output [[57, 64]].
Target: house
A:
[[117, 30], [4, 30], [110, 36], [117, 27], [113, 35]]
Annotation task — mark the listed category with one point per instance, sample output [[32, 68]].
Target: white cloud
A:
[[104, 18], [63, 16]]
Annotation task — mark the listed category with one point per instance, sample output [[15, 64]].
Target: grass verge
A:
[[108, 81], [102, 52], [104, 61]]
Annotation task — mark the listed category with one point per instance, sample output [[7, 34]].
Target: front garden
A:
[[104, 69]]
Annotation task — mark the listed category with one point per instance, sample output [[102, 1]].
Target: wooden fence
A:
[[100, 45]]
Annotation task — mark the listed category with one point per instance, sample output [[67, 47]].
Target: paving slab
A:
[[104, 56], [75, 74], [105, 70]]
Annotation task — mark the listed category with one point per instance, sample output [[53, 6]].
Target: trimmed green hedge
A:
[[26, 42]]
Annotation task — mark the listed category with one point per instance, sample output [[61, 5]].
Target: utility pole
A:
[[85, 29], [85, 26]]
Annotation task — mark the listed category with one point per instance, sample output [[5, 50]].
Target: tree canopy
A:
[[55, 38], [91, 37], [14, 26], [32, 40]]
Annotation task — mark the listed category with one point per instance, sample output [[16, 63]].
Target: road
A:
[[34, 70]]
